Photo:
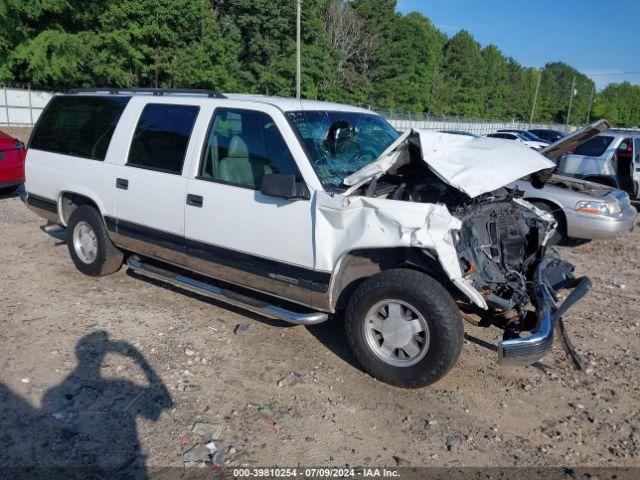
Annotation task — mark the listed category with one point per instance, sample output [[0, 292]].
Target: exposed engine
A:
[[499, 242]]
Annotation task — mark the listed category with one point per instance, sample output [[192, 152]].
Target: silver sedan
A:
[[582, 209]]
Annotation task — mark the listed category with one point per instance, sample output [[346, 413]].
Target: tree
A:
[[555, 91], [460, 84], [620, 104], [351, 46], [496, 82], [354, 51], [406, 80]]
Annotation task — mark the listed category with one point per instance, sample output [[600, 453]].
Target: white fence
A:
[[21, 107], [404, 121]]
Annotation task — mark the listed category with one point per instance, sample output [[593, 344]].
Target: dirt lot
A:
[[116, 371]]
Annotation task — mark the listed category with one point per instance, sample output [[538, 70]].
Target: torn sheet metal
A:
[[351, 223], [541, 213], [395, 156], [471, 165]]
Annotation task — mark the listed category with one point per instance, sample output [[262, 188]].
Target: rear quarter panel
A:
[[50, 175]]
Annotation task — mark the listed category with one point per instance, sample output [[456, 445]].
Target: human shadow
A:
[[86, 426]]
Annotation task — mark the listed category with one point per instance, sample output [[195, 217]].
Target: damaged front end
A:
[[502, 252], [500, 243]]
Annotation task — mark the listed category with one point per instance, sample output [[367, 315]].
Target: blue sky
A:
[[600, 38]]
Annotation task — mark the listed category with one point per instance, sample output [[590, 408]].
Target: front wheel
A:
[[404, 328], [89, 245]]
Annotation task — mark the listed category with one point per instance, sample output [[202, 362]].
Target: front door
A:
[[239, 234]]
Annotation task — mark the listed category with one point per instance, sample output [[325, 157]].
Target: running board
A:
[[227, 296]]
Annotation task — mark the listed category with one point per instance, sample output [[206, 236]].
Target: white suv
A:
[[301, 209]]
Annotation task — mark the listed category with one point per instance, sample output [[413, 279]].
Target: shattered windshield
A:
[[341, 143]]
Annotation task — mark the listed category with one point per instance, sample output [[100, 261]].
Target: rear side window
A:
[[80, 125], [594, 147], [161, 138], [506, 136]]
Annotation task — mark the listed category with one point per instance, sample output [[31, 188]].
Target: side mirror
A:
[[284, 186]]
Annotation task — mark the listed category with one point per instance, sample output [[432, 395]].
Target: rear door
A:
[[233, 231], [149, 188]]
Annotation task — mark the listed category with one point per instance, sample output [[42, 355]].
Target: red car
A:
[[12, 155]]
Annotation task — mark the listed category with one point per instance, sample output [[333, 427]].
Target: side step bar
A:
[[227, 296]]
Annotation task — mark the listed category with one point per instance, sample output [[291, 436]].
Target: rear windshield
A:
[[80, 126], [594, 147]]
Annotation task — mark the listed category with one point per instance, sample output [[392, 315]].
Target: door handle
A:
[[122, 183], [194, 200]]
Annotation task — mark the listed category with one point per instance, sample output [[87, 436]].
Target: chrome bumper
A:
[[551, 274]]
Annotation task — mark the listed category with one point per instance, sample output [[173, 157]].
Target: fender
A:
[[69, 200]]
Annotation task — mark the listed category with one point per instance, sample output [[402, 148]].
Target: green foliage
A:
[[495, 78], [460, 84], [353, 51], [620, 104], [555, 91]]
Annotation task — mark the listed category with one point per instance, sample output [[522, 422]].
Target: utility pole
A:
[[573, 86], [535, 97], [298, 62], [590, 103]]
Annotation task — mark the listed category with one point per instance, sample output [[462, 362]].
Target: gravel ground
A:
[[116, 371]]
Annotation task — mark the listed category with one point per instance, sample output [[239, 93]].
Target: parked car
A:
[[547, 134], [299, 210], [611, 158], [526, 135], [583, 210], [12, 155], [518, 138]]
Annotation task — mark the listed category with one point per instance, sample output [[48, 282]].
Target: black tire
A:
[[108, 258], [560, 235], [432, 301]]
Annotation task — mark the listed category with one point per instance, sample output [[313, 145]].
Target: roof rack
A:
[[153, 91]]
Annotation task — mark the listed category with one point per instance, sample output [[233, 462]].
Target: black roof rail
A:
[[153, 91]]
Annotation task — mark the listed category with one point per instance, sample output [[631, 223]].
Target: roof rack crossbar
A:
[[153, 91]]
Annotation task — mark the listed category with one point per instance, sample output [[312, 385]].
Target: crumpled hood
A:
[[472, 165]]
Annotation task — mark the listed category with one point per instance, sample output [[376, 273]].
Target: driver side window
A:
[[242, 147]]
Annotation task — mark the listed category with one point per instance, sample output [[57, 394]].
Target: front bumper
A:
[[551, 275], [592, 227]]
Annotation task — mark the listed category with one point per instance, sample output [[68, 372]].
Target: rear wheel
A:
[[561, 229], [404, 328], [89, 245]]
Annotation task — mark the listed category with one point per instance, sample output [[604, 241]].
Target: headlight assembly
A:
[[598, 208]]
